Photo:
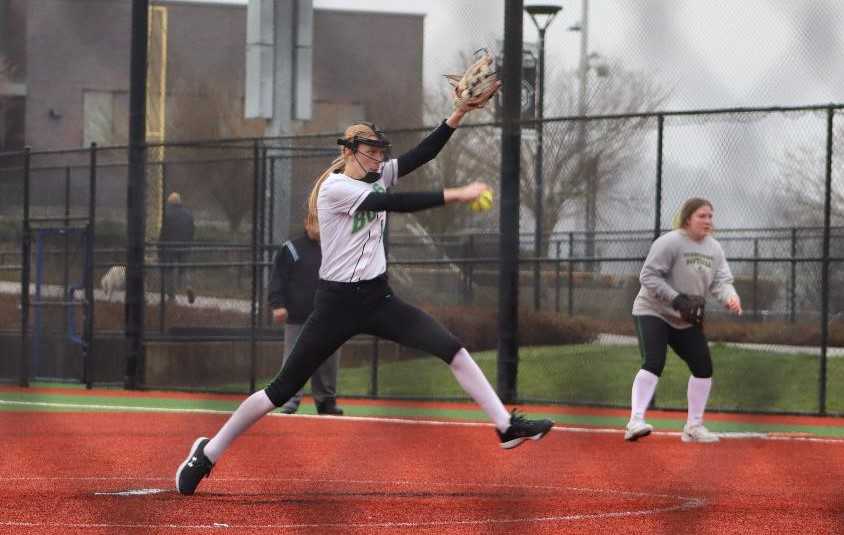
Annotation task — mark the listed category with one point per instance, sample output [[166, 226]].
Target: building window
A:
[[106, 118]]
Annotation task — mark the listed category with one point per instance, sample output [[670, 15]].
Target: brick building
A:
[[70, 58]]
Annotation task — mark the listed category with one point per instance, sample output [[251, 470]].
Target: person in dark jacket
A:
[[175, 238], [291, 295]]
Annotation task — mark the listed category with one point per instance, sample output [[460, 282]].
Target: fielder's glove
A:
[[690, 307], [475, 87]]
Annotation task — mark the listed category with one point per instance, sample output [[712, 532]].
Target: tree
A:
[[578, 154], [610, 146], [222, 170], [801, 187]]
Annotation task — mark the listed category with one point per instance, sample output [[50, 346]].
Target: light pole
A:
[[589, 172], [542, 15]]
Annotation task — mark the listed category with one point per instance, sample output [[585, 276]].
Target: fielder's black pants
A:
[[343, 310], [656, 335]]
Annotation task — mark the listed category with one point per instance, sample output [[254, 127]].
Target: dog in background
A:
[[114, 280]]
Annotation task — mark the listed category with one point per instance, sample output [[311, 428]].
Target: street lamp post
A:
[[591, 189], [542, 15], [590, 211]]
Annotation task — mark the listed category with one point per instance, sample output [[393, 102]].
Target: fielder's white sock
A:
[[249, 412], [472, 379], [644, 386], [698, 394]]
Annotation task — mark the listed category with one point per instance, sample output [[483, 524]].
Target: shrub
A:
[[776, 332], [478, 328], [742, 331]]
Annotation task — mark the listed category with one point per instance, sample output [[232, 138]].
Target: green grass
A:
[[750, 380], [744, 379]]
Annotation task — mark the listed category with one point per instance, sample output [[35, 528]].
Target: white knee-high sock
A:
[[249, 412], [698, 394], [472, 379], [644, 386]]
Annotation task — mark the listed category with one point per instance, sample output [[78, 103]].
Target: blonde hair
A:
[[174, 198], [339, 163], [681, 219]]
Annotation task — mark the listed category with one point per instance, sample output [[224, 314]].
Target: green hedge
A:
[[478, 328]]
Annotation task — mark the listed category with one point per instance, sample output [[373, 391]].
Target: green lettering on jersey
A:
[[361, 219], [358, 221]]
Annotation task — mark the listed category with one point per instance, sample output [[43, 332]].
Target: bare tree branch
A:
[[802, 184], [609, 148]]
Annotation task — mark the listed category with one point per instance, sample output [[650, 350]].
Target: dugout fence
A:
[[611, 185]]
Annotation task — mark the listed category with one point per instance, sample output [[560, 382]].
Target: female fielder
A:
[[350, 201], [681, 264]]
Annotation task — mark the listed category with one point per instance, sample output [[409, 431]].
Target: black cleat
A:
[[191, 295], [329, 407], [194, 468], [522, 429], [289, 409]]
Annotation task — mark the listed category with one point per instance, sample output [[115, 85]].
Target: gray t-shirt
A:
[[679, 264], [352, 240]]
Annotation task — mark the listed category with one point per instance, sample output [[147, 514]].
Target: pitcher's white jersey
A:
[[352, 241]]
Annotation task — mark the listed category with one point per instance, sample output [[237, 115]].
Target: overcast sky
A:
[[711, 53], [707, 53]]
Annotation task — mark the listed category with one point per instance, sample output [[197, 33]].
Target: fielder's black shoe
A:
[[522, 429], [194, 468], [329, 407]]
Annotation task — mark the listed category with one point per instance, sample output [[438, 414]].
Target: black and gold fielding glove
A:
[[690, 307]]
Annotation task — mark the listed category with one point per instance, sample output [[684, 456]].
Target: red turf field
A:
[[59, 473]]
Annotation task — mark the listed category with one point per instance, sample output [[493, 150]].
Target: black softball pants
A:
[[343, 310], [656, 335]]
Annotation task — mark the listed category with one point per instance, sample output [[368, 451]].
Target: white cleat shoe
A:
[[637, 429], [698, 433]]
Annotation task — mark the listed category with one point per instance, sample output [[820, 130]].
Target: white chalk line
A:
[[409, 421], [685, 503]]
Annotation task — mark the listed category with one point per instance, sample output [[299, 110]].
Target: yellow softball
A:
[[482, 203]]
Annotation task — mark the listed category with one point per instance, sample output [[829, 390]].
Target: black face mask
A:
[[371, 177]]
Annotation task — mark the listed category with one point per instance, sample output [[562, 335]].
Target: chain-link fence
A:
[[610, 185]]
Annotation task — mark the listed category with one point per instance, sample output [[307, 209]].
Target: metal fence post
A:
[[136, 198], [660, 122], [88, 340], [66, 264], [557, 281], [162, 306], [755, 279], [827, 210], [373, 369], [571, 274], [256, 180], [26, 261], [511, 135], [792, 297]]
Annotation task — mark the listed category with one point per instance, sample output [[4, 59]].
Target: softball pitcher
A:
[[350, 203]]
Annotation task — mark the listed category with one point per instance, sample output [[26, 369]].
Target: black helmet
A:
[[380, 140]]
